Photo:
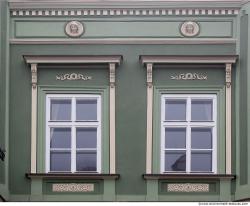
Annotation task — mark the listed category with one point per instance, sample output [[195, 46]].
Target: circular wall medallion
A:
[[189, 29], [74, 29]]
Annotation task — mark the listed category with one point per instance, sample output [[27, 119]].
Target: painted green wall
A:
[[3, 93], [130, 105], [162, 27], [242, 184], [243, 100]]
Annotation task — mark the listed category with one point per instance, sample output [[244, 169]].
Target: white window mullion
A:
[[47, 136], [73, 111], [162, 150], [188, 149], [188, 137], [214, 139], [73, 150]]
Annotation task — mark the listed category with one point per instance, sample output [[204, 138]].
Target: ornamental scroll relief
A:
[[72, 187], [188, 187], [189, 76], [73, 76]]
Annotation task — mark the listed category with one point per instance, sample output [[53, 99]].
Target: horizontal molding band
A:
[[72, 176], [185, 59], [124, 12], [73, 59], [126, 41], [187, 176]]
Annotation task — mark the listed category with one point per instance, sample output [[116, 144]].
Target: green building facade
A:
[[124, 100]]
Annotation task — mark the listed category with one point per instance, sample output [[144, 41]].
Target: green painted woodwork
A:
[[36, 190], [225, 190], [95, 29], [43, 91], [192, 88], [109, 190], [152, 190]]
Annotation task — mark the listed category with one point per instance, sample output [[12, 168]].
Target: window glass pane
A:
[[60, 161], [86, 109], [86, 161], [202, 110], [60, 138], [201, 138], [60, 109], [86, 137], [175, 161], [201, 161], [175, 137], [175, 110]]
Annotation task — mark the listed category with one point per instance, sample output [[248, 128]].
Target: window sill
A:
[[72, 176], [187, 176]]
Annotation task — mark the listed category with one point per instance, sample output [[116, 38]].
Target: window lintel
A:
[[188, 59], [73, 59]]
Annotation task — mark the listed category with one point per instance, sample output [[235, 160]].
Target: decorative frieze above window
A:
[[189, 76], [73, 76], [125, 12]]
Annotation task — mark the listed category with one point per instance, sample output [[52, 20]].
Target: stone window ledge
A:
[[82, 176], [188, 176]]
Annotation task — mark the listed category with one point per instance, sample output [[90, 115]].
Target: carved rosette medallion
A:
[[74, 29], [189, 29]]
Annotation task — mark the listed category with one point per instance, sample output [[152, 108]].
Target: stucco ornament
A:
[[189, 76], [74, 29], [73, 76], [190, 29], [72, 187], [188, 187]]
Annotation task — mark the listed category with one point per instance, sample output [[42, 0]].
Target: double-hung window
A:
[[188, 133], [73, 133]]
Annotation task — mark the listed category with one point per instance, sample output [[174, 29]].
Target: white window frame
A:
[[188, 124], [73, 124]]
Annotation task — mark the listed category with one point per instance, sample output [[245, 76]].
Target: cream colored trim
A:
[[189, 59], [33, 59], [149, 118], [112, 117], [33, 116], [125, 12], [136, 41], [228, 119]]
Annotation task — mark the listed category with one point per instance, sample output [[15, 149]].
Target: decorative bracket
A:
[[150, 75], [112, 75], [34, 75], [228, 75]]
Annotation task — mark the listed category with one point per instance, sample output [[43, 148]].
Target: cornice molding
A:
[[125, 12], [132, 41]]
